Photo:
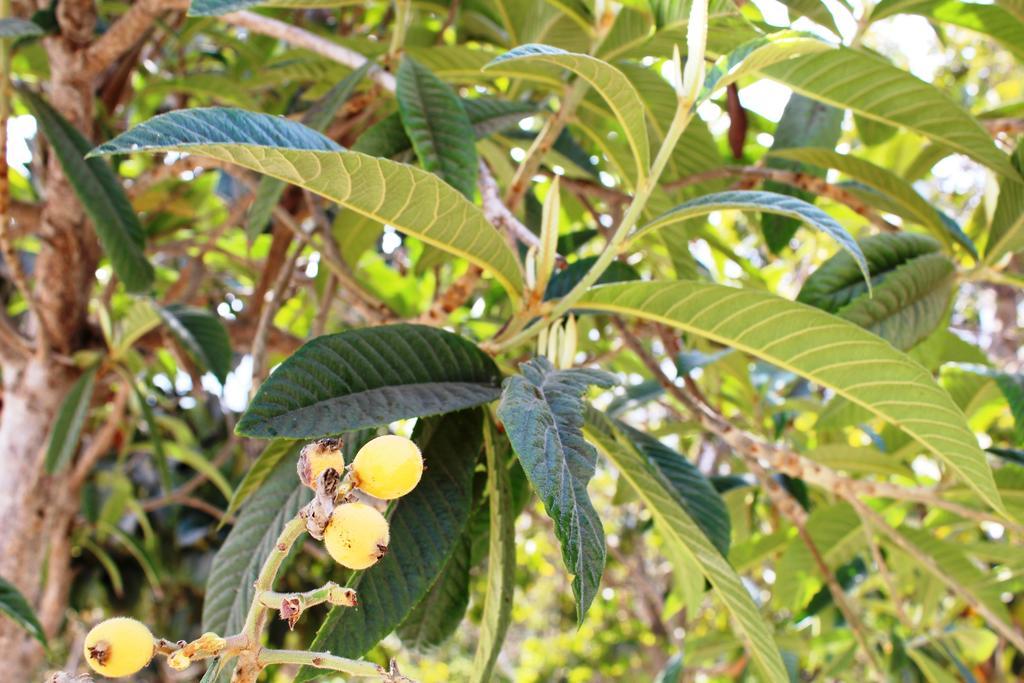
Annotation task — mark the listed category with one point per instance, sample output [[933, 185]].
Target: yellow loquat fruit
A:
[[356, 535], [118, 647], [388, 467]]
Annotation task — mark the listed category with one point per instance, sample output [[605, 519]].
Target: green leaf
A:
[[838, 281], [872, 132], [815, 10], [697, 495], [98, 189], [910, 204], [765, 202], [501, 562], [874, 88], [229, 590], [909, 303], [317, 117], [369, 377], [15, 606], [440, 131], [990, 19], [677, 527], [408, 198], [439, 613], [258, 472], [426, 526], [607, 80], [139, 319], [542, 410], [757, 54], [804, 123], [838, 535], [11, 27], [67, 428], [387, 137], [203, 336], [1006, 233], [564, 280], [672, 672], [822, 348]]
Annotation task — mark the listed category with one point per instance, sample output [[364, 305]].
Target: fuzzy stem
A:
[[322, 660], [265, 582]]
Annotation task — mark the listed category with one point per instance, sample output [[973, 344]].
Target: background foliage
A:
[[763, 461]]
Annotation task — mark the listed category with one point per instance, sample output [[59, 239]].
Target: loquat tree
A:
[[512, 340]]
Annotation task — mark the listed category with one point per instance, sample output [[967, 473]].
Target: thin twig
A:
[[298, 37], [103, 440], [500, 215], [270, 305]]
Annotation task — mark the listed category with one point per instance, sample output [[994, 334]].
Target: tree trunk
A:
[[33, 504], [37, 510]]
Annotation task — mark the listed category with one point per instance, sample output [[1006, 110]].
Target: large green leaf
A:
[[317, 117], [542, 410], [611, 83], [67, 428], [204, 337], [990, 19], [910, 204], [426, 527], [229, 590], [697, 495], [765, 202], [439, 128], [439, 613], [387, 137], [757, 54], [804, 123], [675, 524], [1006, 233], [16, 607], [98, 189], [822, 348], [501, 561], [909, 303], [838, 281], [369, 377], [408, 198], [874, 88], [259, 470]]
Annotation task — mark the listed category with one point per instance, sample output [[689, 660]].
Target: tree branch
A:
[[299, 37], [103, 440], [126, 32]]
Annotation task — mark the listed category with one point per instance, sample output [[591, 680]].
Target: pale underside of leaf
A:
[[412, 200], [679, 528], [822, 348], [765, 202], [611, 83]]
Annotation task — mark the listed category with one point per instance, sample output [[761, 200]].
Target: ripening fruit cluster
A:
[[387, 467], [118, 647]]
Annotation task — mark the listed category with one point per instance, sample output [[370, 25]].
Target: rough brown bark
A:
[[34, 508], [33, 504]]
